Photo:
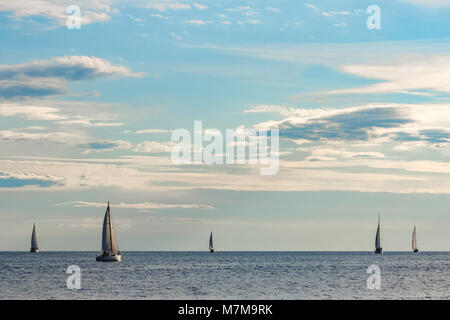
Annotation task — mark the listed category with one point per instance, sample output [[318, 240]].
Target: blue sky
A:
[[86, 116]]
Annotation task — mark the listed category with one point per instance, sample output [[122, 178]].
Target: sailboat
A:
[[414, 241], [378, 248], [110, 249], [34, 243], [211, 247]]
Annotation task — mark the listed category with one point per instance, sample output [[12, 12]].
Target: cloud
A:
[[239, 8], [163, 6], [71, 68], [86, 122], [431, 73], [326, 13], [143, 147], [339, 25], [327, 154], [273, 9], [285, 111], [387, 121], [200, 6], [30, 112], [91, 11], [45, 113], [55, 137], [138, 206], [430, 3], [196, 21], [31, 87], [49, 77], [335, 55], [154, 147], [153, 131], [20, 179], [151, 174]]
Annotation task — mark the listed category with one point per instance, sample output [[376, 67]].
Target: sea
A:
[[226, 275]]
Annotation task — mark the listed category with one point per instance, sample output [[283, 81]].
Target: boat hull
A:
[[116, 258], [416, 250], [34, 251], [379, 250], [212, 251]]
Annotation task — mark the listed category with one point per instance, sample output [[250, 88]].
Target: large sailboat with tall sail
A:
[[110, 249], [378, 248], [34, 243], [211, 246], [414, 241]]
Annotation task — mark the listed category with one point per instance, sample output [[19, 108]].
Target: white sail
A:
[[378, 236], [109, 244], [414, 240], [34, 243], [211, 247]]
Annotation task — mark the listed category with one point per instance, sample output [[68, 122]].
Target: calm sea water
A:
[[225, 275]]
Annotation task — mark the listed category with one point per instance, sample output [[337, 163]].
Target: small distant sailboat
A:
[[211, 247], [378, 248], [34, 243], [414, 241], [110, 249]]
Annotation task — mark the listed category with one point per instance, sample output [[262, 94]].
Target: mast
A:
[[110, 227]]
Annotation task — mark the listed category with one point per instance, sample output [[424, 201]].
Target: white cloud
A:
[[430, 3], [382, 122], [273, 9], [30, 112], [86, 122], [92, 11], [137, 206], [326, 13], [67, 67], [341, 24], [196, 21], [240, 8], [50, 77], [164, 5], [272, 108], [200, 6], [430, 73], [150, 174], [327, 154], [154, 147], [153, 131], [45, 113], [57, 137]]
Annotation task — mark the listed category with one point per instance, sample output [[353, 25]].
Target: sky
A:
[[86, 117]]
